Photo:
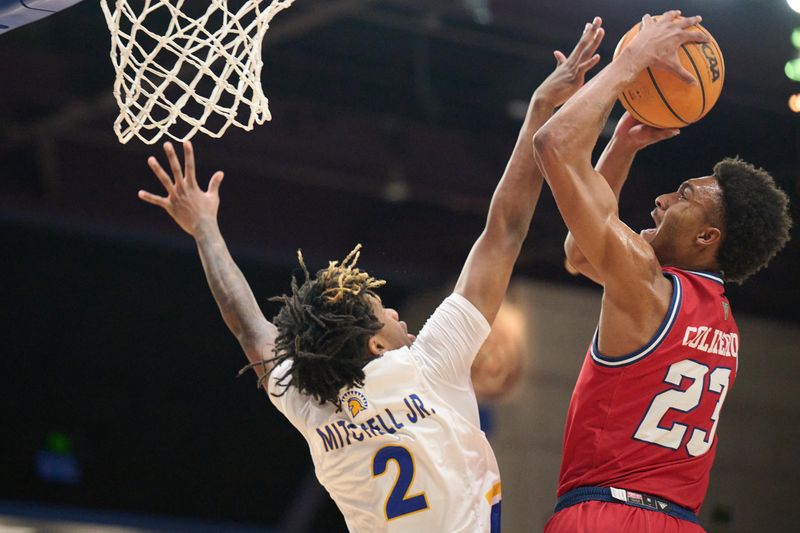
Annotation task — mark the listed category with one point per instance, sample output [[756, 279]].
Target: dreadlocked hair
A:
[[324, 327], [756, 215]]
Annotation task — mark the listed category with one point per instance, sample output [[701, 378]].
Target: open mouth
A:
[[649, 233], [410, 336]]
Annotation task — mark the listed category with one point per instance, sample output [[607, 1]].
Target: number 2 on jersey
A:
[[684, 400], [398, 503]]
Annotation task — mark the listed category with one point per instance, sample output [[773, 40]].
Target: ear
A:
[[709, 236], [376, 346]]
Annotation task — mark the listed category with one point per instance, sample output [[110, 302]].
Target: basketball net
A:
[[178, 74]]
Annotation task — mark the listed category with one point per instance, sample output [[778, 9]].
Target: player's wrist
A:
[[633, 59], [205, 227], [543, 101], [622, 144]]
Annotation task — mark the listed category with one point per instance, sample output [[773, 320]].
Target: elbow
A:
[[516, 237], [248, 344], [507, 236], [542, 140], [545, 147], [575, 257], [257, 335], [249, 338]]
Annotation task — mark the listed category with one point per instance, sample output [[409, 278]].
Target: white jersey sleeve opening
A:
[[449, 341]]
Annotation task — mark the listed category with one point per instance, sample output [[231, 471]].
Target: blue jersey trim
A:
[[713, 276], [604, 494], [655, 341]]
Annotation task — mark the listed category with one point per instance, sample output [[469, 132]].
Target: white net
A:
[[182, 69]]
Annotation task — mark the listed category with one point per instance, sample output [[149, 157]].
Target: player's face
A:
[[394, 333], [683, 220]]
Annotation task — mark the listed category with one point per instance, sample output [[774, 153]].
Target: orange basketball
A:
[[663, 100]]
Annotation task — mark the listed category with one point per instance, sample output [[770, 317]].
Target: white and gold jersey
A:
[[406, 452]]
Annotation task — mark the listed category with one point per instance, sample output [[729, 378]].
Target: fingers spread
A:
[[216, 180], [599, 33], [174, 164], [589, 41], [585, 37], [690, 36], [188, 156], [690, 21], [162, 176], [685, 75], [151, 198], [589, 63], [671, 15]]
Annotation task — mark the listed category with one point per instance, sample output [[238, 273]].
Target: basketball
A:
[[661, 99]]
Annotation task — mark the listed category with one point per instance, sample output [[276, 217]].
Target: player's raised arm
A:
[[614, 165], [634, 286], [487, 271], [195, 211]]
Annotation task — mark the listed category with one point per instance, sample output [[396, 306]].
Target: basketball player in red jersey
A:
[[640, 433]]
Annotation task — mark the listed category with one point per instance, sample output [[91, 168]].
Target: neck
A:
[[702, 266]]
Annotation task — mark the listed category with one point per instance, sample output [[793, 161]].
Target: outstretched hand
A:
[[185, 202], [570, 72], [635, 135], [660, 37]]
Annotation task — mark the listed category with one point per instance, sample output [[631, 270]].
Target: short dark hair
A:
[[324, 327], [756, 218]]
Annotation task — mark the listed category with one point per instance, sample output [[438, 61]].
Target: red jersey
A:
[[647, 421]]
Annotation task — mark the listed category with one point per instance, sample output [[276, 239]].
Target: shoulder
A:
[[640, 280], [455, 320], [458, 304], [283, 395], [279, 383], [450, 339], [630, 268], [631, 336], [632, 312]]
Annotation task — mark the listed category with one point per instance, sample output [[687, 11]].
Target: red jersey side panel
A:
[[647, 421]]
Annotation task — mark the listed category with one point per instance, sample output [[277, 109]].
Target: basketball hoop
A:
[[178, 73]]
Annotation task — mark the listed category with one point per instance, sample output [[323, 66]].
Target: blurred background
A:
[[392, 122]]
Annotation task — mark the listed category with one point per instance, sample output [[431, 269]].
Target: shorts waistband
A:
[[627, 497]]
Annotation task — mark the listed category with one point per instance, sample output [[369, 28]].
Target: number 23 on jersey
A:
[[650, 429]]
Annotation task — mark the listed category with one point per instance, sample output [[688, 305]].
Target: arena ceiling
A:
[[392, 123]]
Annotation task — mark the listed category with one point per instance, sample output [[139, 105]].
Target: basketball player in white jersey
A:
[[391, 422]]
